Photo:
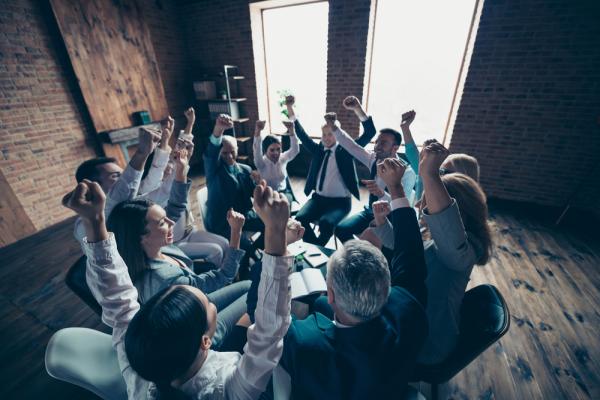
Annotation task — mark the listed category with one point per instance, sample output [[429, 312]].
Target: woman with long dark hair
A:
[[163, 347]]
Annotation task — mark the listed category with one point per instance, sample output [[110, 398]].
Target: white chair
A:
[[86, 358]]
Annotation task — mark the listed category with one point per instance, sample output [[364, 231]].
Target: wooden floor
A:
[[549, 277]]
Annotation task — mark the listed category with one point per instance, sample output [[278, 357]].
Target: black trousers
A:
[[327, 212]]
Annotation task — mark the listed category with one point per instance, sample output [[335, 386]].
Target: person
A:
[[195, 243], [230, 184], [363, 339], [386, 146], [119, 185], [270, 162], [331, 178], [456, 217], [164, 346]]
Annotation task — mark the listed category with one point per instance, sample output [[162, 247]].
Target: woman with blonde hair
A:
[[458, 238]]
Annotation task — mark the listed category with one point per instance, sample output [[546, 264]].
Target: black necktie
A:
[[324, 169], [373, 198]]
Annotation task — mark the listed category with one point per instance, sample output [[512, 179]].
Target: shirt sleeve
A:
[[385, 233], [265, 337], [293, 151], [153, 180], [408, 183], [109, 282], [125, 188], [212, 280], [257, 152], [412, 153], [451, 239], [178, 199], [161, 195], [355, 150]]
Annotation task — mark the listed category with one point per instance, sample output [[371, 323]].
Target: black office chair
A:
[[484, 318], [75, 280]]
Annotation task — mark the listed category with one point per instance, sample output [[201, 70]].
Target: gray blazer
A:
[[450, 257], [162, 274]]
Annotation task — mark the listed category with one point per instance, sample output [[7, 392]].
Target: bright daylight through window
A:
[[418, 48]]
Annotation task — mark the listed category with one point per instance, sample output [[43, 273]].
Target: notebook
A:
[[306, 282]]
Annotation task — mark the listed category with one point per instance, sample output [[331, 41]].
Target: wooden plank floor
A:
[[548, 276]]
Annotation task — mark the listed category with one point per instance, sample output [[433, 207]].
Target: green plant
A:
[[282, 95]]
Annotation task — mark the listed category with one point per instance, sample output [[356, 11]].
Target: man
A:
[[230, 184], [118, 185], [332, 177], [386, 146], [367, 345]]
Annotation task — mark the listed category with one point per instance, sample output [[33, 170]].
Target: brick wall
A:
[[45, 130], [531, 101]]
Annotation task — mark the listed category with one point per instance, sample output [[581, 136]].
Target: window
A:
[[290, 53], [417, 54]]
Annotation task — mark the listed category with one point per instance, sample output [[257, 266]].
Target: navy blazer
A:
[[225, 190], [372, 360], [344, 160]]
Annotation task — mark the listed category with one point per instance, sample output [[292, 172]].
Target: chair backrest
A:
[[86, 358], [484, 318], [202, 197], [75, 280]]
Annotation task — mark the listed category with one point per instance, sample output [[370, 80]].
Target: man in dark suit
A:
[[230, 185], [368, 346], [332, 177]]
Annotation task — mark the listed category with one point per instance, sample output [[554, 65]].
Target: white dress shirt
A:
[[368, 157], [274, 173], [333, 186], [125, 188], [223, 375]]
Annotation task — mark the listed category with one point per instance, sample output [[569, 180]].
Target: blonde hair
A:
[[472, 205], [464, 164]]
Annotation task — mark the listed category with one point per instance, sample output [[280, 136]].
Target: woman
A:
[[272, 166], [156, 186], [144, 235], [163, 347], [456, 219]]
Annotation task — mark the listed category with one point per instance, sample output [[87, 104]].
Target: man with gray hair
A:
[[362, 342]]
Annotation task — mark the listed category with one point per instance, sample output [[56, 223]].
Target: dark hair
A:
[[269, 140], [397, 136], [128, 223], [88, 169], [164, 337]]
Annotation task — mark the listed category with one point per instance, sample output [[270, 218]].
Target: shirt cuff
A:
[[292, 118], [100, 250], [131, 174], [401, 202], [161, 158], [363, 118], [277, 266], [216, 140]]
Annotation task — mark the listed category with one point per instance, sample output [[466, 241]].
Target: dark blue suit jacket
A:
[[344, 160], [225, 190], [372, 360]]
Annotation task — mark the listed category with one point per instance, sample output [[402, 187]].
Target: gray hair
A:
[[359, 275], [230, 139]]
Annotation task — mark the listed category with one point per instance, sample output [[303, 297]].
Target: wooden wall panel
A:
[[111, 52], [14, 222]]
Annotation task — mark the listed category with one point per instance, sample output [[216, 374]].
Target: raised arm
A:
[[257, 144], [352, 103], [153, 180], [294, 149], [211, 154], [272, 315], [306, 140], [346, 141], [107, 276], [179, 190], [190, 117], [412, 152], [408, 264]]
